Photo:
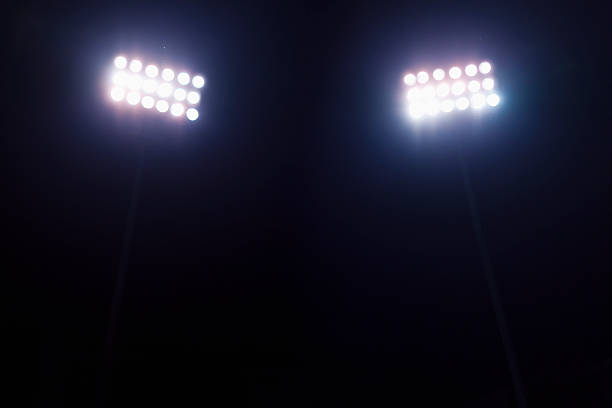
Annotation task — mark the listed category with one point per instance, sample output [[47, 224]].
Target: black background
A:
[[302, 244]]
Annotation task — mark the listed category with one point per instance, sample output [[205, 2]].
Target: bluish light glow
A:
[[120, 62], [438, 74], [422, 77], [148, 102], [484, 67], [410, 79], [192, 114], [151, 71], [416, 110], [198, 81], [183, 78], [135, 65], [493, 99], [471, 70]]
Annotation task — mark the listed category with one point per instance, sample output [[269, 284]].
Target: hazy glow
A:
[[120, 78], [462, 103], [447, 105], [409, 79], [183, 78], [443, 90], [149, 85], [484, 67], [164, 90], [151, 71], [148, 102], [416, 110], [117, 94], [454, 72], [478, 101], [422, 77], [177, 109], [192, 114], [133, 98], [488, 84], [493, 100], [197, 81], [193, 97], [458, 88], [432, 107], [180, 94], [135, 66], [474, 86], [120, 62], [413, 94], [134, 82], [471, 70], [167, 74], [438, 74], [162, 106], [429, 92]]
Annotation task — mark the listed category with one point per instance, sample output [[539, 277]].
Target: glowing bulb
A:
[[422, 77], [192, 114], [167, 74], [471, 70], [162, 106], [149, 85], [117, 94], [134, 82], [416, 110], [135, 65], [120, 62], [462, 103], [193, 97], [120, 78], [180, 94], [432, 107], [413, 94], [458, 88], [410, 79], [183, 78], [447, 105], [164, 90], [148, 102], [438, 74], [133, 98], [198, 81], [484, 67], [454, 72], [429, 92], [493, 100], [478, 101], [488, 84], [177, 109], [443, 90], [151, 71], [474, 86]]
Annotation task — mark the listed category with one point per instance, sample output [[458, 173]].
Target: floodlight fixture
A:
[[154, 87], [475, 90]]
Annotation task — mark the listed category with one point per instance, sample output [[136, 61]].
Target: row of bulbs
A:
[[433, 107], [444, 89], [164, 90], [152, 71], [454, 73], [134, 98]]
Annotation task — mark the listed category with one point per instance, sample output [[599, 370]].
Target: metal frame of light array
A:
[[445, 91], [155, 88]]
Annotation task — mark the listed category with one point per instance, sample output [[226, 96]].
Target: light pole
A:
[[132, 86], [457, 90]]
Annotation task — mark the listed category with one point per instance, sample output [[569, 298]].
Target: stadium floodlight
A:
[[135, 83], [476, 90]]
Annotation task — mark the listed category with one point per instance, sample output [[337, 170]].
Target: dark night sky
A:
[[302, 244]]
